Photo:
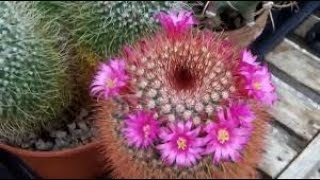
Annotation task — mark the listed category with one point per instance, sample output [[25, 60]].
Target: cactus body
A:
[[106, 26], [182, 104], [32, 76], [227, 15], [245, 8]]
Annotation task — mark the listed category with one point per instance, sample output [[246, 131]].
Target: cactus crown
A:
[[32, 76]]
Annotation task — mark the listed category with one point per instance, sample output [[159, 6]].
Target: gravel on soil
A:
[[79, 132]]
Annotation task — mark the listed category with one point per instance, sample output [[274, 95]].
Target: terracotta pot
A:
[[246, 35], [77, 163]]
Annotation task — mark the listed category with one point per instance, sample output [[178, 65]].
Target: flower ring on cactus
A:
[[191, 106]]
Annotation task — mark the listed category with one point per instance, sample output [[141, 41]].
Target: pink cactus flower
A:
[[175, 23], [141, 129], [249, 58], [225, 139], [242, 114], [181, 144], [248, 64], [110, 78], [259, 86]]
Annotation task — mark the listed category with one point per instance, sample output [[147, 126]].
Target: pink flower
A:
[[258, 79], [248, 64], [225, 139], [110, 78], [249, 58], [242, 113], [141, 129], [181, 144], [175, 23], [259, 86]]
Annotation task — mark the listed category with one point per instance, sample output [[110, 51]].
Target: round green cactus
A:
[[94, 30], [32, 74], [105, 26]]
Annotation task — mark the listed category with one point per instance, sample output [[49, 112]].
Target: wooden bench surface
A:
[[293, 145]]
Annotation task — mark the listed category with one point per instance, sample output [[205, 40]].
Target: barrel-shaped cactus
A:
[[33, 78], [95, 30], [104, 26], [183, 103]]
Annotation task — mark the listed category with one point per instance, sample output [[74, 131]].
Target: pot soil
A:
[[68, 151]]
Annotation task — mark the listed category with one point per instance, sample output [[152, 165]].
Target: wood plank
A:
[[306, 163], [314, 173], [297, 63], [303, 28], [295, 110], [281, 148]]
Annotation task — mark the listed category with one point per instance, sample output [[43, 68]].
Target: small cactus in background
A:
[[33, 81], [246, 9], [226, 15], [96, 29], [104, 26], [182, 103], [101, 27], [231, 15]]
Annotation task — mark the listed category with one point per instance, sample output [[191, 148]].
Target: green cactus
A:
[[54, 14], [105, 26], [33, 79], [246, 9], [227, 15]]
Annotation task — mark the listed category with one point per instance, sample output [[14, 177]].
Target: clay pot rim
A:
[[44, 154]]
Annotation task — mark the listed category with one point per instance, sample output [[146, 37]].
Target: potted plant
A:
[[35, 92], [40, 119], [182, 103], [239, 21]]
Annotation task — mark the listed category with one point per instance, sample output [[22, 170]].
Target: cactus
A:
[[54, 15], [182, 103], [33, 79], [97, 29], [226, 14], [246, 9], [104, 26]]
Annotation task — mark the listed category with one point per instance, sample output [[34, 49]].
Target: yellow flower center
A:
[[223, 136], [146, 131], [110, 83], [182, 143], [257, 85]]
